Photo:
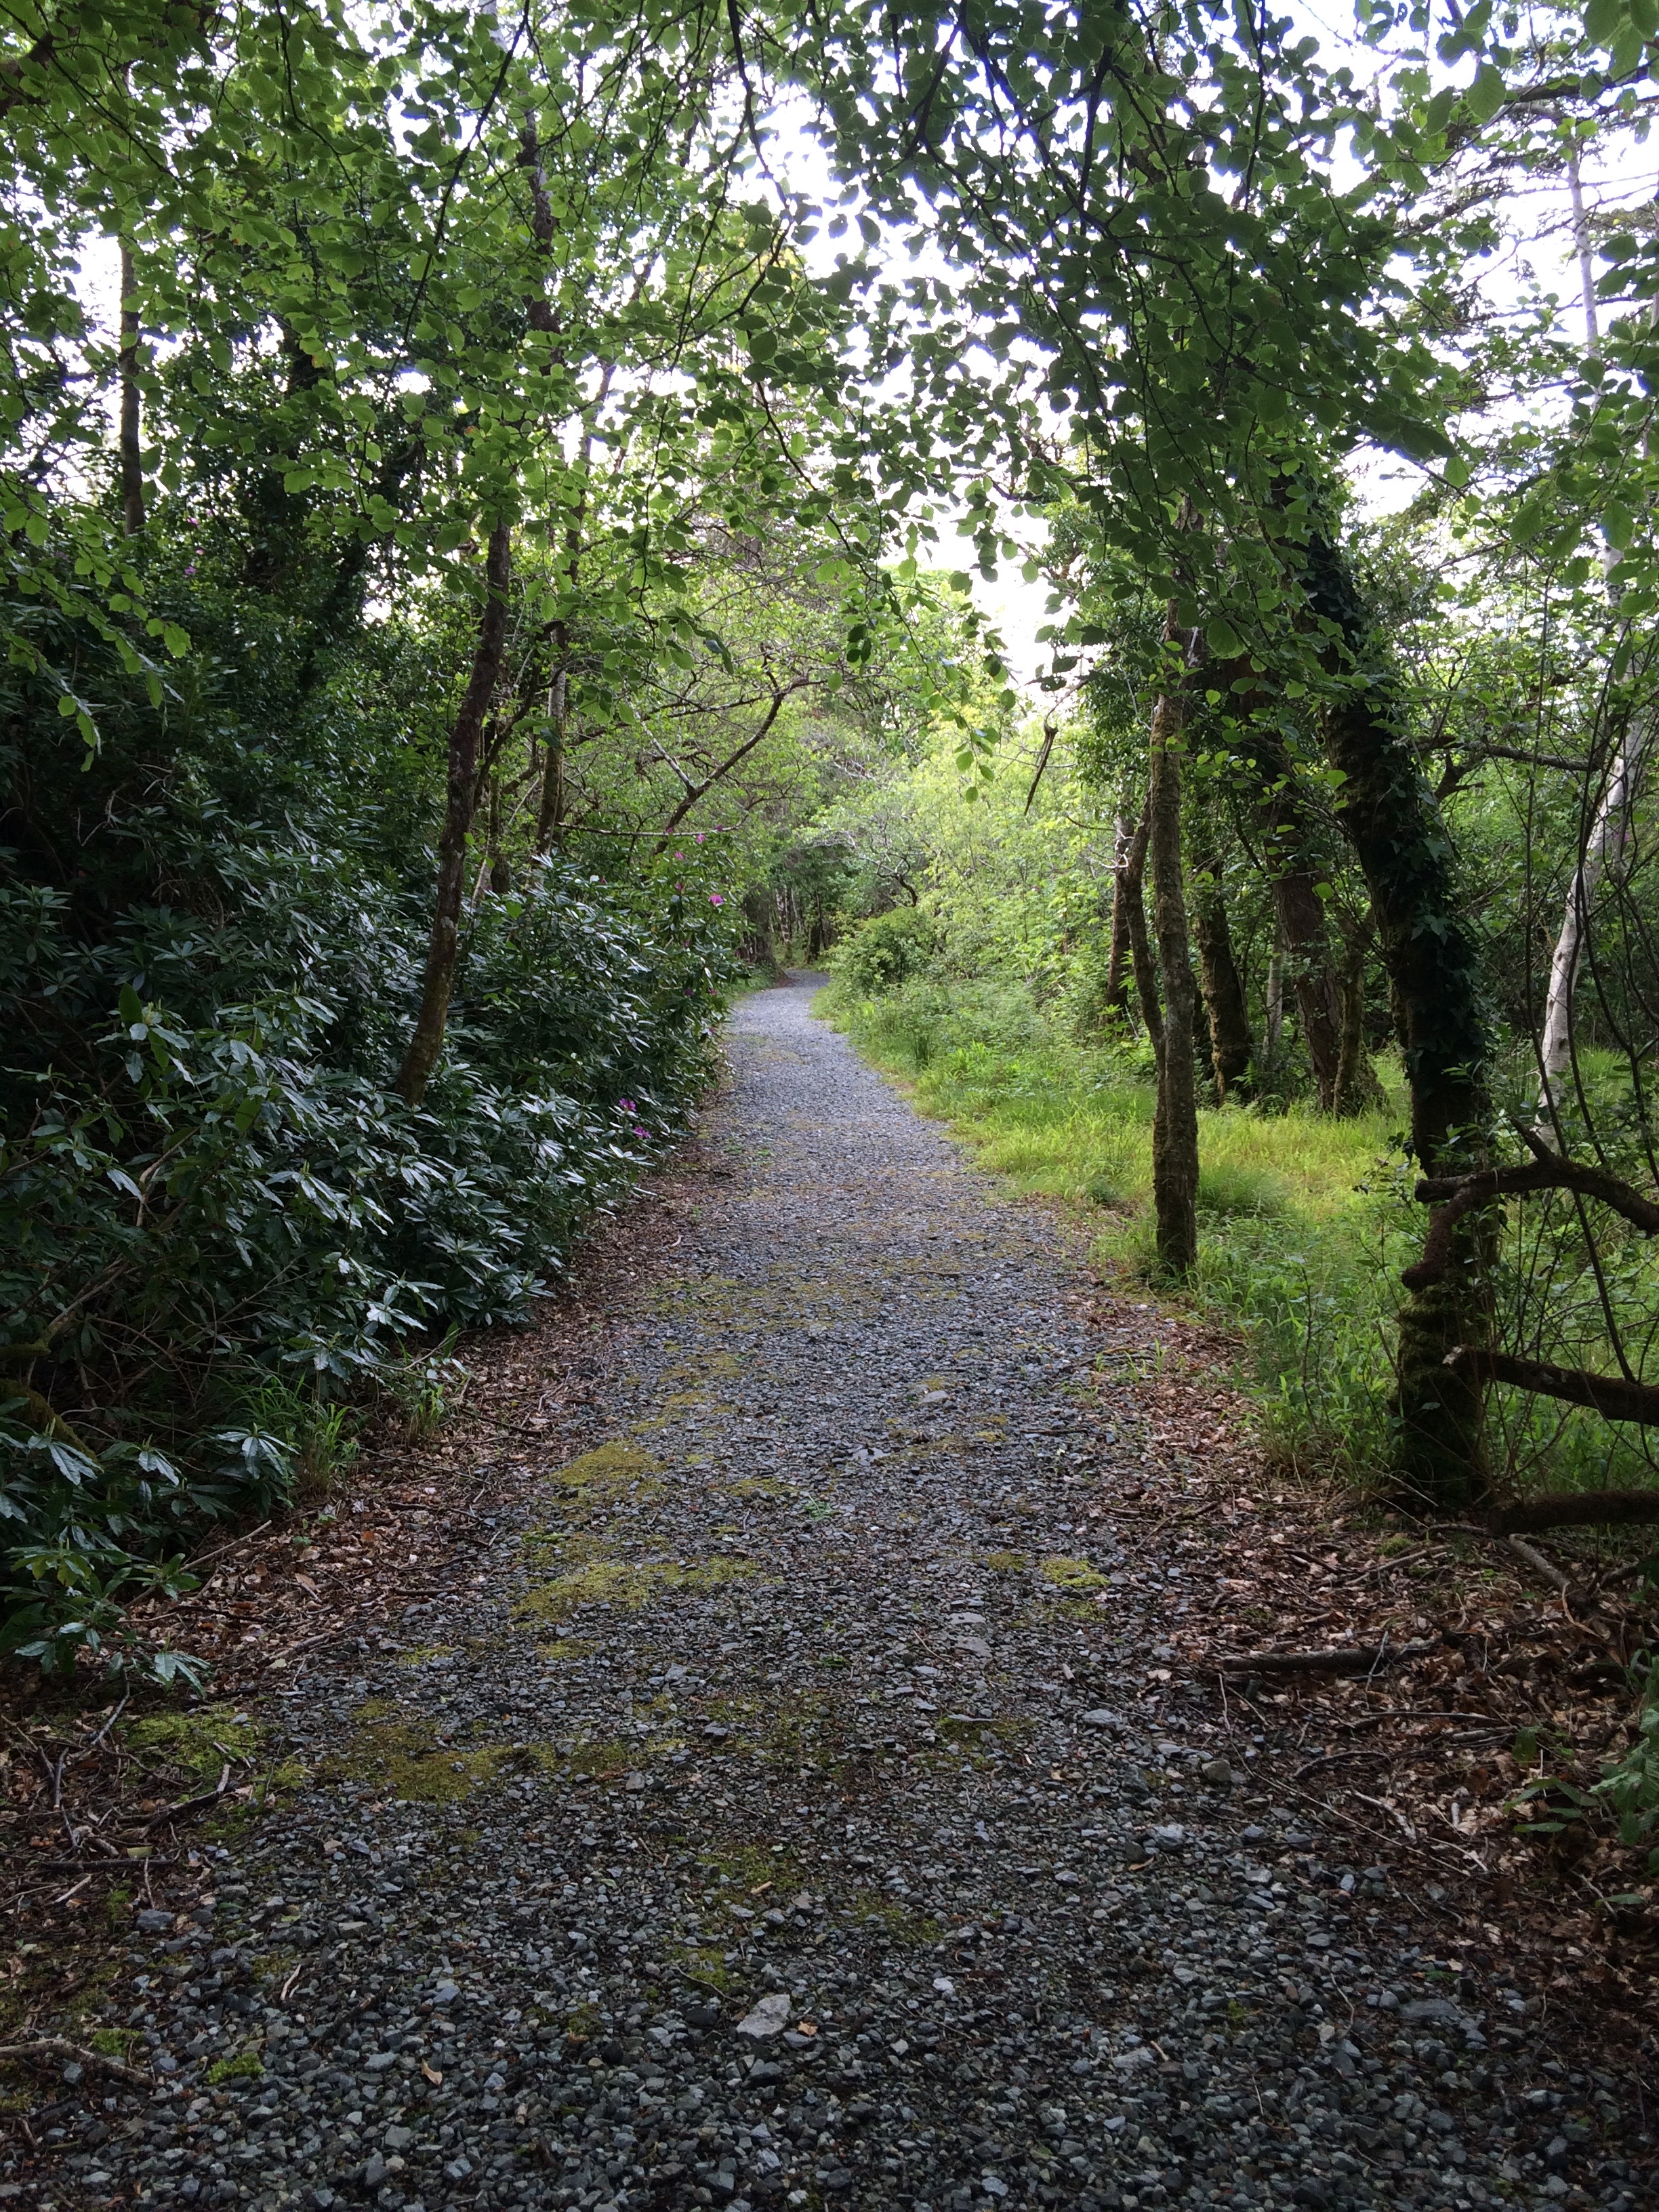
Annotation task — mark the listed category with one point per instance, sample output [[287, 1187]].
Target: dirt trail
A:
[[800, 1805]]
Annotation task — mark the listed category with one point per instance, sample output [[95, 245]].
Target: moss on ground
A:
[[1073, 1575], [1004, 1563], [626, 1583], [613, 1470], [198, 1743], [406, 1758], [245, 2066]]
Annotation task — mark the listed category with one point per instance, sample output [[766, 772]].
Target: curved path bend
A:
[[796, 1812]]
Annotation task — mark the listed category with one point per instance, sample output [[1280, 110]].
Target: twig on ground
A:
[[59, 2046], [1344, 1659]]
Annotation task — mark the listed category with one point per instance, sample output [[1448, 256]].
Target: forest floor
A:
[[769, 1750]]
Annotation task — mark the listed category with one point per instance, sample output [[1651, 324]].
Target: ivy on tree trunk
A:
[[1429, 951]]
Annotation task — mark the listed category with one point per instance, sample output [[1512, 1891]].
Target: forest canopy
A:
[[475, 497]]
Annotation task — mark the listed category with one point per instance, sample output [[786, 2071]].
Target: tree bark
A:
[[1429, 951], [1175, 1123], [1358, 1091], [1231, 1045], [1604, 842], [1115, 999], [460, 799], [1131, 881], [550, 818], [132, 458]]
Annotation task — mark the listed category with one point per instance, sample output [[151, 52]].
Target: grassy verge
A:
[[1304, 1229]]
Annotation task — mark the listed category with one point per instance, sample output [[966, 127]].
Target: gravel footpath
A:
[[798, 1811]]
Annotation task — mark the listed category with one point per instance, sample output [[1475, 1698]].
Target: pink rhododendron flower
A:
[[716, 898], [626, 1106]]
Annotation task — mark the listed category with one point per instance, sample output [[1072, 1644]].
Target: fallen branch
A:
[[1575, 1509], [1540, 1565], [190, 1804], [59, 2046], [1345, 1659]]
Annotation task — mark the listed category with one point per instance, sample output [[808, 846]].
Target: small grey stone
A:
[[154, 1921], [374, 2172], [770, 2017], [1102, 1716]]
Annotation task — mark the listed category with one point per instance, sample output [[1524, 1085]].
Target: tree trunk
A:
[[1274, 1027], [1232, 1046], [1358, 1091], [459, 801], [1132, 903], [1175, 1123], [1429, 952], [550, 818], [1604, 843], [132, 458], [1115, 999]]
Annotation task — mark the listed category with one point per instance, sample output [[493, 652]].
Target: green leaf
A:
[[1486, 95], [1602, 19], [1223, 639]]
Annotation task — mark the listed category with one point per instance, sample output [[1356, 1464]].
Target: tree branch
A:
[[1455, 1196]]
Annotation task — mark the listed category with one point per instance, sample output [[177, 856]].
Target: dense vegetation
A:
[[467, 524]]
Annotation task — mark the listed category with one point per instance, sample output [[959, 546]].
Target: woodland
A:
[[477, 503]]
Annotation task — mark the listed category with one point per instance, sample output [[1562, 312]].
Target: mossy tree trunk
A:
[[1429, 951]]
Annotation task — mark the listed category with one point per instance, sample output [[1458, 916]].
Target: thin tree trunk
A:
[[1274, 1026], [1607, 832], [1358, 1091], [1604, 842], [1433, 964], [549, 819], [459, 801], [1307, 943], [1232, 1046], [1132, 905], [1115, 999], [132, 458], [1175, 1123]]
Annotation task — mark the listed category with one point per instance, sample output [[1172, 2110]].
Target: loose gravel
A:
[[798, 1809]]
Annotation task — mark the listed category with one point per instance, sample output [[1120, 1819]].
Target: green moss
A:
[[613, 1470], [198, 1743], [603, 1759], [626, 1583], [562, 1649], [1004, 1563], [405, 1759], [245, 2066], [899, 1925], [1073, 1575], [748, 1867], [418, 1654], [703, 1963]]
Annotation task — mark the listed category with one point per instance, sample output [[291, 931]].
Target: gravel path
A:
[[797, 1812]]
